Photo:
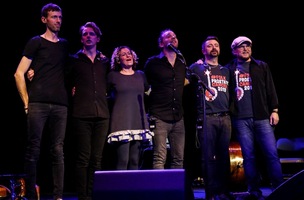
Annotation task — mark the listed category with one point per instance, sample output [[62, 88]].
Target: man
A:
[[89, 110], [166, 74], [213, 118], [88, 70], [45, 98], [255, 112]]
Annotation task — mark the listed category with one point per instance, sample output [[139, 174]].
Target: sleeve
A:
[[145, 81], [271, 93], [31, 47]]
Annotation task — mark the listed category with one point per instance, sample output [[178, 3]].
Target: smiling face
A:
[[243, 51], [211, 48], [53, 21], [167, 37]]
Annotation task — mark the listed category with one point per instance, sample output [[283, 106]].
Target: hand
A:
[[26, 110], [102, 56], [73, 91], [200, 61], [274, 118], [30, 74]]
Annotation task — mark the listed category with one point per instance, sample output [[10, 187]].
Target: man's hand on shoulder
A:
[[200, 61]]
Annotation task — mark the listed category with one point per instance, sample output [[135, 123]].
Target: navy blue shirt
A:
[[217, 79]]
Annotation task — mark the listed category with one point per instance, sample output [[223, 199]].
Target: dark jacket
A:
[[264, 96]]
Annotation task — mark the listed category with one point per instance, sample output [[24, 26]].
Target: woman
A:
[[129, 125]]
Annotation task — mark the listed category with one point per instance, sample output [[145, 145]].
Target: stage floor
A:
[[199, 194]]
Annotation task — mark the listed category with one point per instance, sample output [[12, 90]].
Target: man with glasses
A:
[[254, 114]]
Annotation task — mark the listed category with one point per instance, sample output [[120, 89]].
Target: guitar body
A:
[[238, 181]]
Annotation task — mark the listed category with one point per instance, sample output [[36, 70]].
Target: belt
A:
[[220, 114]]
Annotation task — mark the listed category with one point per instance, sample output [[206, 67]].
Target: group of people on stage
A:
[[52, 83]]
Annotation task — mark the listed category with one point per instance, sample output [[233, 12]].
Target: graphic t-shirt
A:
[[243, 90]]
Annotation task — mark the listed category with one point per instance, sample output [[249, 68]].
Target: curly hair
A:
[[115, 61]]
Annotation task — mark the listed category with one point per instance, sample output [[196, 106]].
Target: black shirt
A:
[[90, 82], [167, 85]]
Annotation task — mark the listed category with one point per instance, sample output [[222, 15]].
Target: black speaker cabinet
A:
[[291, 189], [165, 184]]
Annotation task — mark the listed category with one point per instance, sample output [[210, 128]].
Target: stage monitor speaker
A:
[[291, 189], [164, 184]]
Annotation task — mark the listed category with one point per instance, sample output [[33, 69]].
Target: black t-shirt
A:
[[48, 62]]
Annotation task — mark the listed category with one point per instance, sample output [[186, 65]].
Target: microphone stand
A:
[[189, 73], [202, 87]]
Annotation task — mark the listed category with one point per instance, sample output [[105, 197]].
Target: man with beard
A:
[[213, 118]]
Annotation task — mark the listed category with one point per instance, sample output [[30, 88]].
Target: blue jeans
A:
[[90, 136], [54, 118], [175, 132], [252, 132], [215, 158]]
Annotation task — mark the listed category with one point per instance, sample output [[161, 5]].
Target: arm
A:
[[186, 82], [188, 79], [20, 80], [273, 98], [274, 118]]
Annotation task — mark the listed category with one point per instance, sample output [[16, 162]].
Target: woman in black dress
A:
[[129, 124]]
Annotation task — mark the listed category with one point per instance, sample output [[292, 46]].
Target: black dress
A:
[[128, 116]]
